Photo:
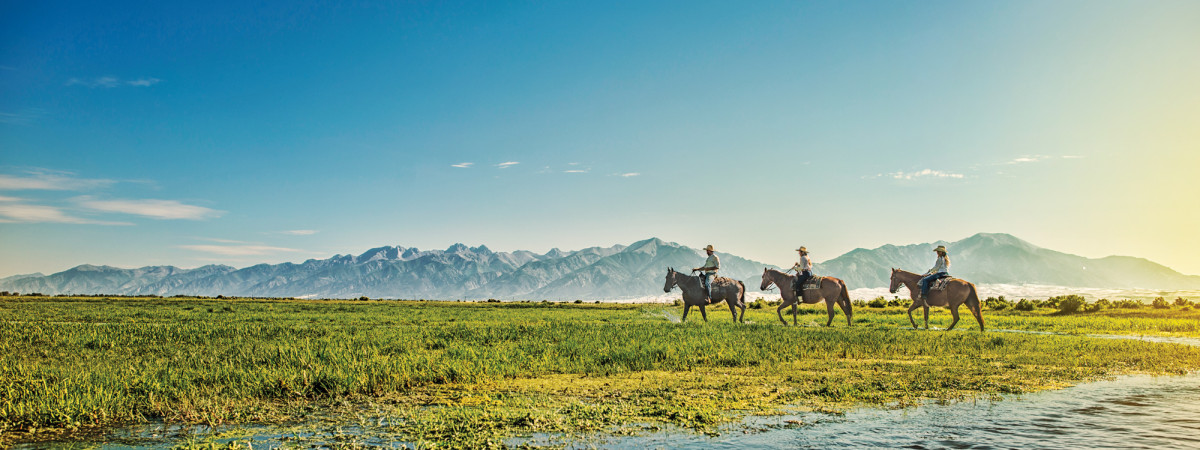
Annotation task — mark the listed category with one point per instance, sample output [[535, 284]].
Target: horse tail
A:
[[845, 294], [974, 304]]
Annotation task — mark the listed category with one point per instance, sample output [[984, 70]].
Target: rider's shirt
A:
[[712, 264], [803, 265], [941, 266]]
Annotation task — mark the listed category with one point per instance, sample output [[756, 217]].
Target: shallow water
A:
[[1131, 412]]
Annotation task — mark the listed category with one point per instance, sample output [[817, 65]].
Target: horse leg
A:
[[742, 317], [732, 311], [703, 313], [954, 313], [778, 311], [686, 308], [912, 308], [795, 310], [926, 316], [829, 308]]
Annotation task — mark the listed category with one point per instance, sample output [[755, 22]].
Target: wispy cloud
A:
[[112, 82], [299, 232], [1038, 158], [238, 250], [143, 82], [15, 212], [927, 173], [463, 165], [51, 181], [24, 117], [9, 199], [507, 164], [575, 171], [157, 209], [628, 174], [225, 241]]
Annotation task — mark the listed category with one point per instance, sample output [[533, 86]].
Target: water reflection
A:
[[1131, 412]]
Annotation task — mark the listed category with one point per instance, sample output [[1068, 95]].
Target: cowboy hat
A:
[[940, 248], [709, 248], [802, 249]]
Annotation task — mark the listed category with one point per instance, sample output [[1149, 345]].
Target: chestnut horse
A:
[[957, 292], [832, 291], [728, 290]]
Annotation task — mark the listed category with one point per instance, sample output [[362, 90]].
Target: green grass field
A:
[[471, 374]]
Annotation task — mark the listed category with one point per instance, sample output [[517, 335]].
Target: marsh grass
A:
[[471, 374]]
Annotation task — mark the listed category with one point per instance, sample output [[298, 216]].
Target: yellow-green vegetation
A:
[[472, 374]]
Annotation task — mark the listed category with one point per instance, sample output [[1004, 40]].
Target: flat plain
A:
[[470, 374]]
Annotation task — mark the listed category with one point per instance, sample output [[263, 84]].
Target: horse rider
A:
[[803, 271], [939, 270], [708, 270]]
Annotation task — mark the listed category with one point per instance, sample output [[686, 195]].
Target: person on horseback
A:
[[803, 271], [940, 270], [708, 270]]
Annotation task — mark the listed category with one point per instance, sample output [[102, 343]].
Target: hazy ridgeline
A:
[[467, 371]]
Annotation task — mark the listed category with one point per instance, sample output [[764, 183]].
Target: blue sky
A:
[[150, 133]]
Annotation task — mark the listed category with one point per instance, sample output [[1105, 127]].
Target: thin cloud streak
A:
[[26, 213], [112, 82], [465, 165], [299, 232], [238, 250], [505, 165], [157, 209], [629, 174], [50, 181], [575, 171], [927, 173]]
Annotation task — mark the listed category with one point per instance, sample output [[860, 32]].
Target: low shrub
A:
[[1128, 304], [1160, 303], [997, 303], [1098, 305], [860, 303], [1180, 301], [1070, 303], [878, 302], [1024, 305]]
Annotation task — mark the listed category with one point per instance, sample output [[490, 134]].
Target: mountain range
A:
[[619, 271]]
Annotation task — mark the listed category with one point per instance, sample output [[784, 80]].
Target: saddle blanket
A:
[[940, 283], [813, 283]]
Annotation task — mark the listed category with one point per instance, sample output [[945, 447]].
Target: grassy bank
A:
[[473, 373]]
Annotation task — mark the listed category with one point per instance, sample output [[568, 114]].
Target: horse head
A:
[[895, 282], [766, 280], [670, 283]]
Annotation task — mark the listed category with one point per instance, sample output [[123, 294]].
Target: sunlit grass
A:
[[472, 373]]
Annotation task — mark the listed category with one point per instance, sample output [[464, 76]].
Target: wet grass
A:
[[473, 374]]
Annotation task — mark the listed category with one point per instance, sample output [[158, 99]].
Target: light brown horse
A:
[[832, 291], [730, 291], [957, 292]]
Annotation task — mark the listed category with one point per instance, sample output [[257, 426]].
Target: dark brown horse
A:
[[832, 291], [957, 292], [728, 290]]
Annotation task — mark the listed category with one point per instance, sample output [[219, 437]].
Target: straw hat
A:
[[940, 248], [802, 249], [709, 248]]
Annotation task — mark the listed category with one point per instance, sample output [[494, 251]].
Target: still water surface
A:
[[1130, 412]]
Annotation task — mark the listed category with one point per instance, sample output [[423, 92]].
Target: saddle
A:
[[813, 282], [940, 283]]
